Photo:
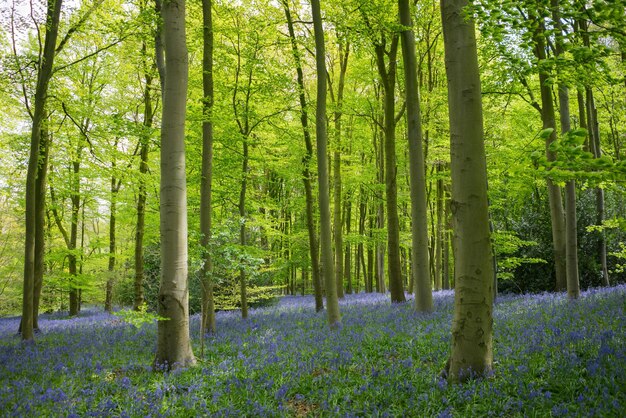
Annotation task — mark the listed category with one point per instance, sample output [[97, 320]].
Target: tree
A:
[[306, 162], [571, 240], [208, 305], [472, 324], [344, 52], [332, 303], [173, 343], [44, 74], [557, 212], [419, 227], [387, 71]]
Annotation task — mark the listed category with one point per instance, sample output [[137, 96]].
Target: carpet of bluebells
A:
[[554, 357]]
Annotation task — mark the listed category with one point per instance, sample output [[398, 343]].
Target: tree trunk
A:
[[206, 188], [588, 107], [332, 303], [348, 254], [72, 257], [140, 225], [571, 241], [144, 150], [44, 74], [439, 230], [388, 79], [40, 222], [472, 325], [115, 187], [557, 213], [173, 343], [306, 162], [242, 228], [419, 228], [338, 237]]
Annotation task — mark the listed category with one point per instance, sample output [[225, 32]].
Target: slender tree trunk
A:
[[242, 228], [571, 240], [44, 74], [115, 187], [40, 223], [472, 326], [557, 213], [173, 343], [360, 257], [419, 228], [371, 257], [588, 107], [208, 304], [140, 224], [388, 79], [338, 237], [306, 163], [380, 252], [332, 303], [72, 258], [594, 139], [347, 271], [144, 151], [445, 254], [439, 231]]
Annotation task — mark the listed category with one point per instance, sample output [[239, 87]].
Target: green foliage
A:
[[507, 246], [574, 162], [139, 317]]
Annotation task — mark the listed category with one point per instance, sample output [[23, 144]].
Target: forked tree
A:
[[44, 74], [419, 228]]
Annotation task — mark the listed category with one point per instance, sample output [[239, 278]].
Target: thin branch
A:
[[400, 113], [86, 57], [77, 26]]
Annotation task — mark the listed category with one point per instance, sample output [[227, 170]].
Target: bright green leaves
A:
[[573, 161], [510, 252]]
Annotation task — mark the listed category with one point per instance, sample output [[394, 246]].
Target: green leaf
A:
[[545, 134]]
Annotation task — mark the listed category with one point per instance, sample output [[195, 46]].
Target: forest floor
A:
[[554, 357]]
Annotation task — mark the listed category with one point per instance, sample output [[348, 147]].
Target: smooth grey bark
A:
[[173, 343], [208, 304], [472, 325], [44, 74], [332, 303], [419, 229]]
